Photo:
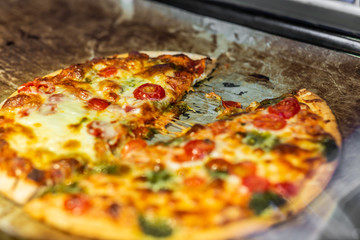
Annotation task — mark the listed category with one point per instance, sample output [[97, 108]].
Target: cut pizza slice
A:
[[59, 124], [226, 179]]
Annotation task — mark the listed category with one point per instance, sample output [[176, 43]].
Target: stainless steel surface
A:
[[38, 37], [330, 13], [298, 21]]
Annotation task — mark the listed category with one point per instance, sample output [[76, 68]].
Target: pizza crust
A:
[[81, 225], [320, 178], [210, 65], [17, 189], [320, 107]]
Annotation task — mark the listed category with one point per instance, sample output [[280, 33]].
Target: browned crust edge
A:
[[320, 178], [19, 190], [320, 107]]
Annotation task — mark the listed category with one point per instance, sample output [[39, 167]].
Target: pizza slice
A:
[[226, 179], [74, 118]]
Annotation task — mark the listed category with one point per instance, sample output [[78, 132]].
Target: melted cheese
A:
[[53, 131]]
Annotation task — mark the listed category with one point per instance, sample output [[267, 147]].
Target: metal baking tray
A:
[[38, 37]]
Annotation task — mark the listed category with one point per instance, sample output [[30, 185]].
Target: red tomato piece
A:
[[133, 145], [218, 127], [286, 108], [198, 149], [256, 183], [108, 71], [55, 98], [149, 91], [98, 104], [128, 108], [77, 204], [96, 128], [286, 189], [269, 122], [198, 66], [231, 104], [194, 181], [243, 169], [37, 86]]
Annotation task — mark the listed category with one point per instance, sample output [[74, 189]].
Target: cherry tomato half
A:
[[231, 104], [286, 108], [256, 183], [108, 71], [96, 128], [98, 104], [37, 86], [149, 91], [269, 122], [77, 204], [286, 189], [133, 145], [198, 149]]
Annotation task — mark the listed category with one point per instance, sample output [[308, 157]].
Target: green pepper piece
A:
[[111, 169], [155, 227], [72, 188], [159, 180], [261, 201], [265, 140], [267, 102]]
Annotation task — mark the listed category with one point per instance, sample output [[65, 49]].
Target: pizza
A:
[[74, 152], [82, 115]]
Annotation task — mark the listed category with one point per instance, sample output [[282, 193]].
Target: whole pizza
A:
[[74, 152]]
